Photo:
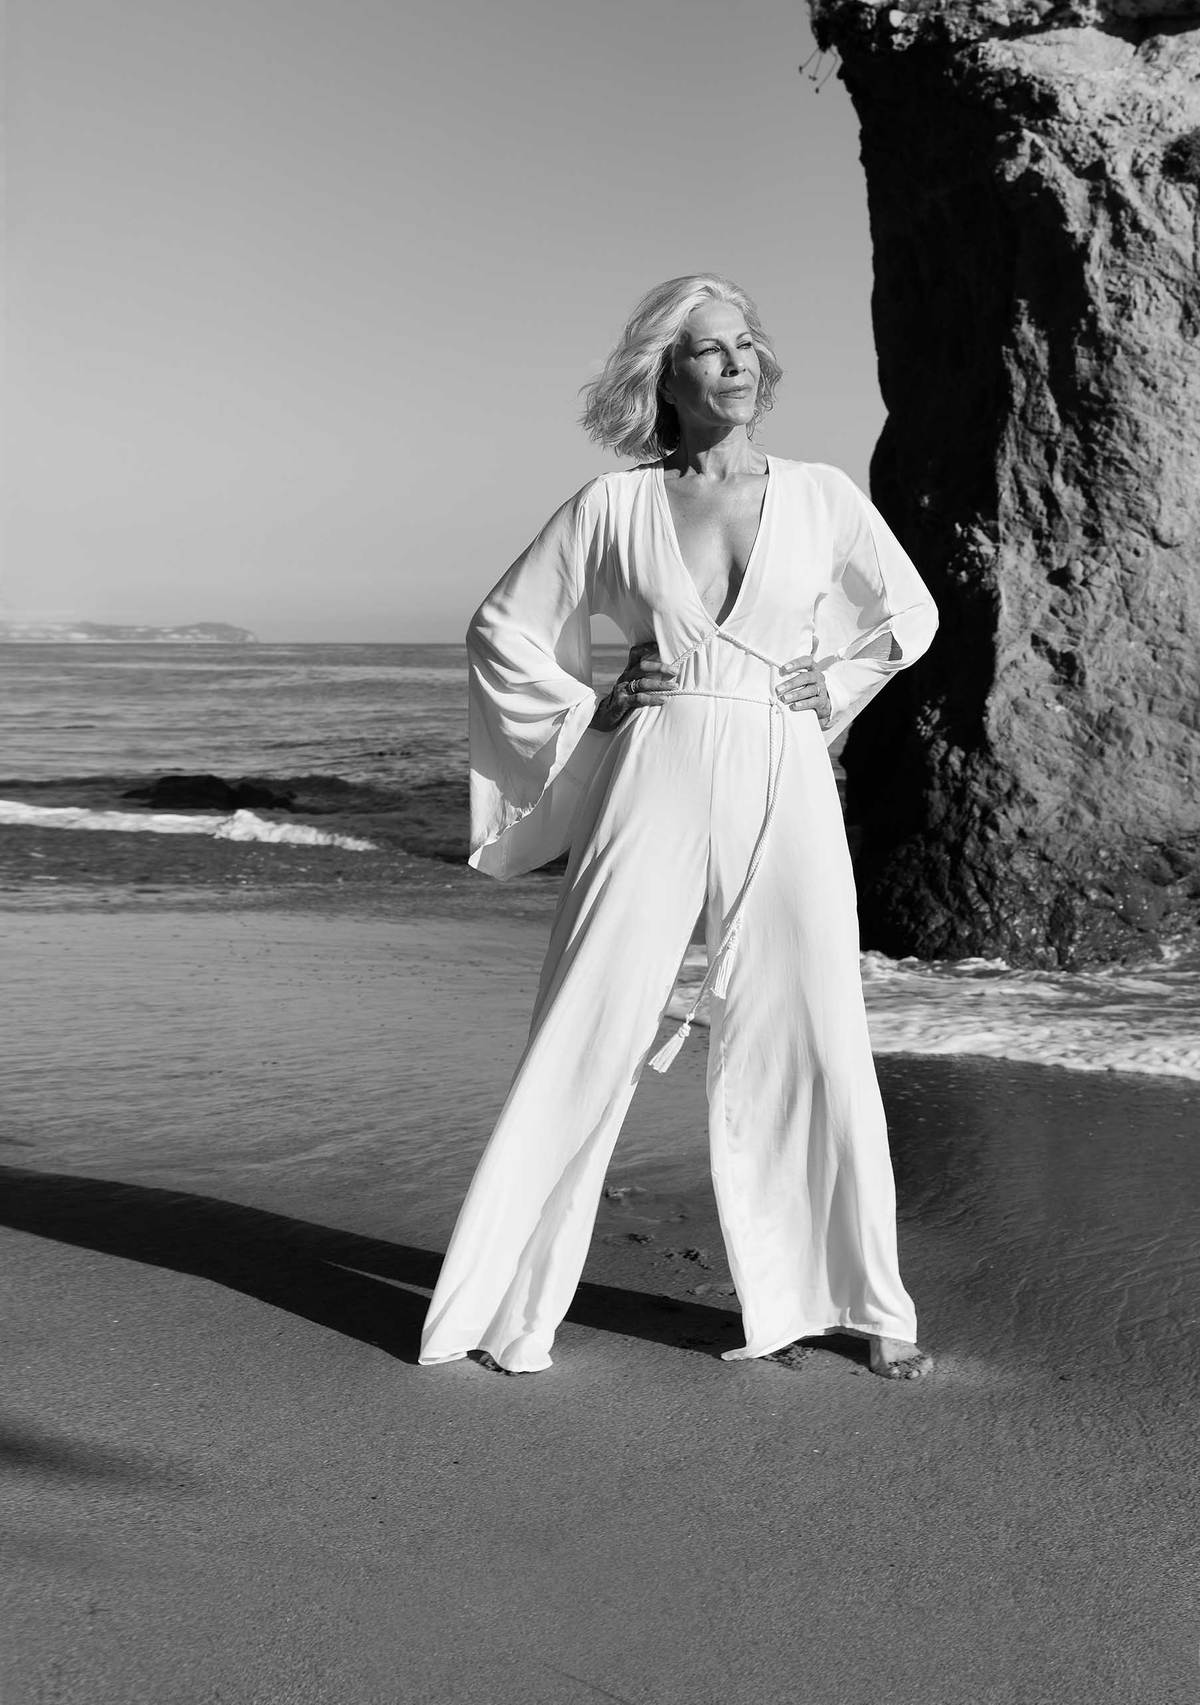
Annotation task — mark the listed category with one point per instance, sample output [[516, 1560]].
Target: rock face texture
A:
[[1032, 788]]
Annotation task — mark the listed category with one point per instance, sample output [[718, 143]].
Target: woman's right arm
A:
[[644, 680], [531, 700]]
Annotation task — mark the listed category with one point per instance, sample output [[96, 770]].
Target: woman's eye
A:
[[711, 349]]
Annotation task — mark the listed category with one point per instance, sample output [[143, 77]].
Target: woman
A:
[[766, 601]]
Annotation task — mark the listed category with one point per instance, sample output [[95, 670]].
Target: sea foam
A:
[[1143, 1018], [231, 826]]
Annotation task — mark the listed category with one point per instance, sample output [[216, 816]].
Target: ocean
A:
[[369, 743], [385, 715]]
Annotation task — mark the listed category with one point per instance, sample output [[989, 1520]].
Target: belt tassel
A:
[[664, 1059], [720, 983]]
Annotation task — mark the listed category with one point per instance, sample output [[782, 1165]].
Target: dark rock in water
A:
[[210, 793], [1032, 788]]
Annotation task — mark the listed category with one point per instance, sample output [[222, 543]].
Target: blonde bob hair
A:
[[625, 409]]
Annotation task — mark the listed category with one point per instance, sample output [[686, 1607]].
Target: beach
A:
[[317, 326], [240, 1108]]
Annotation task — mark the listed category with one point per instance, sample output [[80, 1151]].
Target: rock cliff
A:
[[1032, 789]]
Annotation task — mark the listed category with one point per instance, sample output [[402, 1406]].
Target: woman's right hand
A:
[[644, 680]]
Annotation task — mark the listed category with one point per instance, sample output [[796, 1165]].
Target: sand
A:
[[236, 1138]]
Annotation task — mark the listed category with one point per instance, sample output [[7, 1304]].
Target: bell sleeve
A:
[[877, 617], [531, 699]]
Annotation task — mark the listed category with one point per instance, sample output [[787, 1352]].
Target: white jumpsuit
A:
[[718, 798]]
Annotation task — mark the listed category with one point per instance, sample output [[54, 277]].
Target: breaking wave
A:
[[1143, 1018], [231, 826]]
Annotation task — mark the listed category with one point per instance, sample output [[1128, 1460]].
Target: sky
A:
[[300, 293]]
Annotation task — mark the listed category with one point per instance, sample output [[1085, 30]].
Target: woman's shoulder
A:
[[626, 479], [822, 474], [613, 488], [842, 500], [598, 500]]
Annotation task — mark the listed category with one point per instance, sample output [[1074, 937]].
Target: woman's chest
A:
[[715, 532], [763, 559]]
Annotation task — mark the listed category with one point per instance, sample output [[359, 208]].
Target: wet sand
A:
[[236, 1136]]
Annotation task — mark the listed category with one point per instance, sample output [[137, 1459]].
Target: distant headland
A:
[[111, 633]]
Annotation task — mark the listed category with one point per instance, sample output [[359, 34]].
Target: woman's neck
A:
[[722, 456]]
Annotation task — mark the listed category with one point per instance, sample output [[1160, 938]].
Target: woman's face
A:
[[714, 380]]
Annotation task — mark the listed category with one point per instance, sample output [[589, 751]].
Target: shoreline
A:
[[1140, 1020], [42, 868]]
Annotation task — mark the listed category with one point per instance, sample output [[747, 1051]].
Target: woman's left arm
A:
[[876, 619]]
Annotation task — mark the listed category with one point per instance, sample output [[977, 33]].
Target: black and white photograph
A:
[[600, 852]]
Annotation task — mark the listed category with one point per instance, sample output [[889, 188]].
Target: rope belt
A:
[[717, 975]]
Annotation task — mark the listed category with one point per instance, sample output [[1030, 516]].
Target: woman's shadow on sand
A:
[[362, 1287]]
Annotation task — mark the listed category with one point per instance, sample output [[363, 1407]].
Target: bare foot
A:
[[485, 1359], [892, 1358]]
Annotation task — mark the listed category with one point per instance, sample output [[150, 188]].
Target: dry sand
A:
[[237, 1139]]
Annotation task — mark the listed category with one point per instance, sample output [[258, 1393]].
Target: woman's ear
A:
[[666, 375]]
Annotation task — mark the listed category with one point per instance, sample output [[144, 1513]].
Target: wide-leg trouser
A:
[[798, 1140]]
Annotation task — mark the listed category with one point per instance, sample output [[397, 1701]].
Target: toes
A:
[[488, 1361], [892, 1359]]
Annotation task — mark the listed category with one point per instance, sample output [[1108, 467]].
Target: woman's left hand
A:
[[804, 689]]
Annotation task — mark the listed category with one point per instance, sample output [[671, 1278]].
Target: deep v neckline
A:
[[660, 487]]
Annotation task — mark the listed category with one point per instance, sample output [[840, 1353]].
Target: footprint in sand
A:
[[791, 1356]]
